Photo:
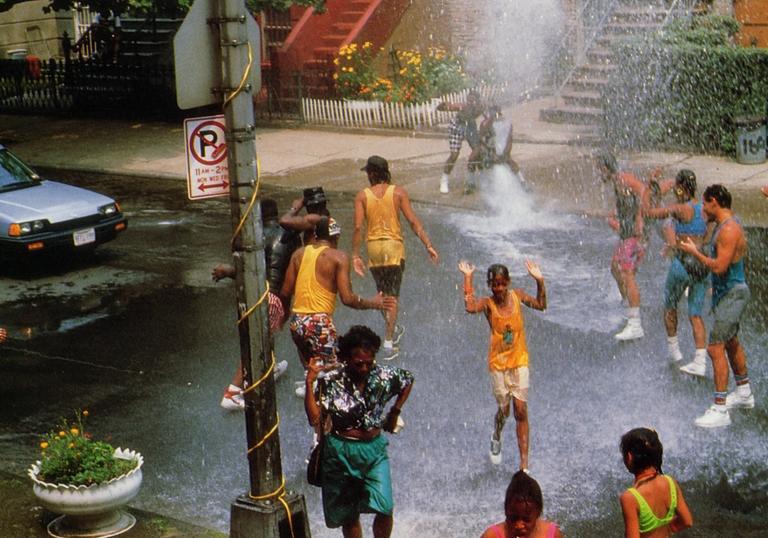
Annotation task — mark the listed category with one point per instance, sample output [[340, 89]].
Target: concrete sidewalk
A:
[[553, 157], [21, 516]]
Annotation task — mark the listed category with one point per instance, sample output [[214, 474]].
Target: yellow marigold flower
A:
[[43, 445], [351, 69], [403, 71], [85, 412], [74, 431], [62, 434], [349, 57], [367, 45], [335, 76], [71, 445], [335, 61]]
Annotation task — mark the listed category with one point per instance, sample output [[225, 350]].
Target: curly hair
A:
[[358, 336]]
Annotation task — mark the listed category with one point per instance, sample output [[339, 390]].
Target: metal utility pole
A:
[[267, 510]]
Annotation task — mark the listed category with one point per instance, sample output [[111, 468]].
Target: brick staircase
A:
[[318, 68], [580, 100], [315, 40]]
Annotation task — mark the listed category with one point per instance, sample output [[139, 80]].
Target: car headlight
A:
[[110, 209], [16, 229]]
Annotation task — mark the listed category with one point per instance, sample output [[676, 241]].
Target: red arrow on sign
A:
[[206, 186]]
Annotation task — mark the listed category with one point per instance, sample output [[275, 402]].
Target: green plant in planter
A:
[[69, 455]]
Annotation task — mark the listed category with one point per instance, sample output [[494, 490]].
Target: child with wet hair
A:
[[654, 506], [507, 349], [523, 506]]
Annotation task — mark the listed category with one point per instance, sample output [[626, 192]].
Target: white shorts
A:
[[507, 384]]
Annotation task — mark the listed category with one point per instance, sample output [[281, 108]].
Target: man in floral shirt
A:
[[354, 462]]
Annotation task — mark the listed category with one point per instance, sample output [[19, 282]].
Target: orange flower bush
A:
[[416, 77]]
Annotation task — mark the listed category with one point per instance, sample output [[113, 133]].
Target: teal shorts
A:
[[356, 479]]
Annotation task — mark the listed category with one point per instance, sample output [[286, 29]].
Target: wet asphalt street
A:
[[143, 338]]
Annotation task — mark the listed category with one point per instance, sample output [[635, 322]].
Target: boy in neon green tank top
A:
[[654, 506]]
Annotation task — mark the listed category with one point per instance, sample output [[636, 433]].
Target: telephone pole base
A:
[[268, 519]]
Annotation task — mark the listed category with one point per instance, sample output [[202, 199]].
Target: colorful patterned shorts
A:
[[628, 254], [314, 336]]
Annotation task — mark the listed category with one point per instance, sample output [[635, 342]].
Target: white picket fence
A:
[[354, 113]]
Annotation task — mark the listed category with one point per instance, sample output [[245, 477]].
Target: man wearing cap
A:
[[378, 207], [316, 274], [314, 201]]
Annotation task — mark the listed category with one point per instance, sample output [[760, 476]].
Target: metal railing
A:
[[604, 11]]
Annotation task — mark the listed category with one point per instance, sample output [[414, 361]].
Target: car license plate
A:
[[83, 237]]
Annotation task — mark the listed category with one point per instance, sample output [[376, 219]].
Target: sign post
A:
[[267, 510], [206, 151]]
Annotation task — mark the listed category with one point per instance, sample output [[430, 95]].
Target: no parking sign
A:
[[206, 150]]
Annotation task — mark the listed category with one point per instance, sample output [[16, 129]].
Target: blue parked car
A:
[[38, 215]]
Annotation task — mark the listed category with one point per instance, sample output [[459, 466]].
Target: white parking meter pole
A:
[[267, 508]]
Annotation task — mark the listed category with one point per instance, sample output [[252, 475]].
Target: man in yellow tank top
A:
[[507, 349], [316, 273], [378, 208]]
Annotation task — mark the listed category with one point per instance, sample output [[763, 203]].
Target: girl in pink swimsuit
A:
[[523, 505]]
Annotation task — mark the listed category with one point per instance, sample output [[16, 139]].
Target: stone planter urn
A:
[[90, 511]]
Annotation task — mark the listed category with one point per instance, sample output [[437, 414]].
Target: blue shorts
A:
[[677, 280], [356, 479]]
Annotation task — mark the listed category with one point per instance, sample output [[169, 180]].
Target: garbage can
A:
[[16, 54], [750, 139]]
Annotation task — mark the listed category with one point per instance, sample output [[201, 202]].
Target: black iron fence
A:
[[86, 87]]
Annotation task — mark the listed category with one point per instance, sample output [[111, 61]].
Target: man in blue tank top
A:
[[685, 271], [730, 295]]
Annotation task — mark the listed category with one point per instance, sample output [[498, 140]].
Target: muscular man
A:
[[316, 274], [627, 220], [378, 207], [730, 295], [685, 271]]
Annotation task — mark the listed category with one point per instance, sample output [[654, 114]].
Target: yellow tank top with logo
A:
[[507, 348], [384, 235], [310, 297]]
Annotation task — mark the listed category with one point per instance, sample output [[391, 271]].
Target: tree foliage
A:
[[685, 90]]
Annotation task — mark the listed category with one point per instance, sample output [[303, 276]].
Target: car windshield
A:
[[14, 173]]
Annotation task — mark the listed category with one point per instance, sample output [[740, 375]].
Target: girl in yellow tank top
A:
[[507, 350]]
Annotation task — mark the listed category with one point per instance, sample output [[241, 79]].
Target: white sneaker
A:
[[735, 400], [495, 452], [675, 355], [389, 353], [713, 418], [280, 369], [399, 332], [695, 368], [631, 331], [232, 400], [444, 185]]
